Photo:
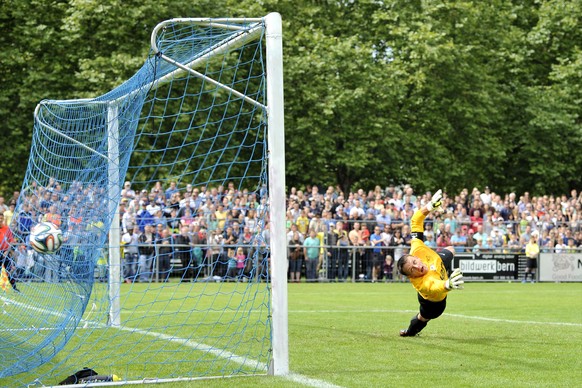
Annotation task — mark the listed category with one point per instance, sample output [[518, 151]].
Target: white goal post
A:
[[276, 155]]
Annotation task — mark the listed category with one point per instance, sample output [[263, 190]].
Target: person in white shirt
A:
[[357, 211]]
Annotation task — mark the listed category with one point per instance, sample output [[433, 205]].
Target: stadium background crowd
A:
[[220, 230]]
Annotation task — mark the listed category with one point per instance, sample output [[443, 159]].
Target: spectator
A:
[[182, 250], [130, 242], [9, 214], [25, 221], [303, 223], [471, 242], [127, 191], [444, 239], [357, 211], [377, 254], [459, 240], [478, 247], [571, 246], [214, 251], [513, 244], [311, 252], [388, 268], [476, 220], [229, 239], [387, 234], [143, 217], [240, 262], [383, 218], [331, 253], [532, 250], [343, 255], [318, 225], [525, 233], [479, 233], [6, 239], [451, 221], [487, 245], [251, 220], [221, 214], [186, 219], [560, 247], [231, 271], [430, 242], [498, 239], [295, 243], [3, 206], [366, 253], [146, 253], [236, 230], [165, 253], [53, 216], [171, 190], [24, 263]]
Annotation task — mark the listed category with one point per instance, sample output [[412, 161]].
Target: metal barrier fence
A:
[[334, 263]]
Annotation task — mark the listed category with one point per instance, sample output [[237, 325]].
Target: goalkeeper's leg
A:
[[417, 323], [428, 310]]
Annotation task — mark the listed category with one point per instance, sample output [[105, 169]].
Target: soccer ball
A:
[[46, 237]]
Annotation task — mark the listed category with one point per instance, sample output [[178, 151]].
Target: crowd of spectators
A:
[[359, 232], [378, 223]]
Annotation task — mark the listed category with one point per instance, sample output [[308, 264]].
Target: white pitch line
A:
[[383, 311], [243, 361], [476, 317], [308, 381], [247, 362], [514, 320]]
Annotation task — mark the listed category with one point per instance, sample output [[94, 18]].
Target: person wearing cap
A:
[[498, 238], [127, 191], [428, 271]]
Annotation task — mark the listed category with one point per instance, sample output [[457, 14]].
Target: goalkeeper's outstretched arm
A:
[[417, 221]]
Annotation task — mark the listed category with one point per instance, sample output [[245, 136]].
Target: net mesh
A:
[[183, 161]]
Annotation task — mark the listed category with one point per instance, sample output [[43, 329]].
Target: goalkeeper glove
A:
[[436, 202], [455, 281]]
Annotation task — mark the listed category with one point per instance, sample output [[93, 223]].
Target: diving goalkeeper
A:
[[428, 271]]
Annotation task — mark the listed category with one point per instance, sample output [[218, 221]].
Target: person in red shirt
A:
[[6, 239]]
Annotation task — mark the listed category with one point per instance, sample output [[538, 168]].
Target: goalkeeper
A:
[[428, 271]]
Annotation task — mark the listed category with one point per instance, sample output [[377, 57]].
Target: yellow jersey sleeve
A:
[[417, 222]]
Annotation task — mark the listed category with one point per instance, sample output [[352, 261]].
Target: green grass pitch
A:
[[491, 335]]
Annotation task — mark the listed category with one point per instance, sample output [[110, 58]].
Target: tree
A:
[[429, 93]]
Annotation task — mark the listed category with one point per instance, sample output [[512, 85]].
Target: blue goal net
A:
[[160, 189]]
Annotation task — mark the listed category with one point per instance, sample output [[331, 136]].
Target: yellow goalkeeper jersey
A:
[[431, 286]]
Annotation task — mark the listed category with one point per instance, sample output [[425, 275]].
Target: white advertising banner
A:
[[560, 267]]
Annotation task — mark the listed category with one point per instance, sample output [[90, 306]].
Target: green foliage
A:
[[455, 94]]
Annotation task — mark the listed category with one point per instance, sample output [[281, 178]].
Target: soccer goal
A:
[[189, 148]]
